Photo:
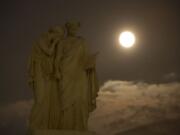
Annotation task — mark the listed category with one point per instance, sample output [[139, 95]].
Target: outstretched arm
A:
[[88, 59], [91, 61]]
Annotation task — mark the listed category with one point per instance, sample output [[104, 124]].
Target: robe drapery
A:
[[45, 113], [64, 82], [78, 85]]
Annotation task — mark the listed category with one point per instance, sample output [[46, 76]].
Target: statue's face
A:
[[72, 28]]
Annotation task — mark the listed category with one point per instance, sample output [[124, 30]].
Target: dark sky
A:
[[154, 58]]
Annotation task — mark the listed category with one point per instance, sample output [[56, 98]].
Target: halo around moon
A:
[[127, 39]]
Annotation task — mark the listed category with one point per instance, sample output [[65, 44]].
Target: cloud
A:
[[15, 115], [121, 105]]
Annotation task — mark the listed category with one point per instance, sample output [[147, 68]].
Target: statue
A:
[[63, 77], [46, 109]]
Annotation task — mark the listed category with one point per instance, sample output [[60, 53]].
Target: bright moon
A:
[[127, 39]]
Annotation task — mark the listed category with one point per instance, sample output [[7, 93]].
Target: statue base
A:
[[61, 132]]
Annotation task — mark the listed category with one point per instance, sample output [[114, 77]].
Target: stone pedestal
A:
[[60, 132]]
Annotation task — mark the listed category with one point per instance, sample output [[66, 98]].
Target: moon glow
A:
[[127, 39]]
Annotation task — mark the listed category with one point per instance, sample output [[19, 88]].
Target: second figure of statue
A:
[[63, 78]]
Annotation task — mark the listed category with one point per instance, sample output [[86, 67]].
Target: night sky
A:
[[153, 59]]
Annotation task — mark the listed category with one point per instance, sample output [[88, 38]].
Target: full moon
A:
[[127, 39]]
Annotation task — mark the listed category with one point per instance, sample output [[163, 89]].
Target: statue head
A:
[[72, 27], [57, 31]]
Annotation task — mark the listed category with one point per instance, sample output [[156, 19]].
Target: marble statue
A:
[[62, 75]]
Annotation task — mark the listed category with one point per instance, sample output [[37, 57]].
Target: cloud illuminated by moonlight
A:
[[121, 105]]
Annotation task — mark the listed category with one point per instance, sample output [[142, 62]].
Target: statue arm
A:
[[87, 60], [48, 47], [90, 59], [93, 88]]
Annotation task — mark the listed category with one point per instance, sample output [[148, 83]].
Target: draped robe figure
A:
[[45, 112], [78, 85], [63, 77]]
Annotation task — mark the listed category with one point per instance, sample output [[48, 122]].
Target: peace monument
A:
[[63, 78]]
